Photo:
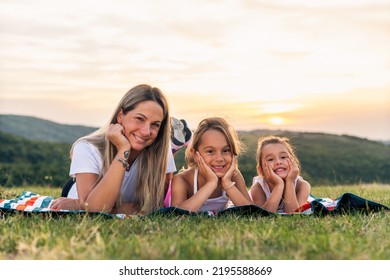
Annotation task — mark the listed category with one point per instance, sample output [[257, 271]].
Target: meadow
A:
[[351, 236]]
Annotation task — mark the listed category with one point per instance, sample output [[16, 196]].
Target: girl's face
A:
[[142, 124], [276, 155], [215, 150]]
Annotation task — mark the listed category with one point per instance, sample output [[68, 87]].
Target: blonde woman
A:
[[122, 167]]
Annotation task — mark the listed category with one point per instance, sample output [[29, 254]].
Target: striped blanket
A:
[[29, 202], [345, 204]]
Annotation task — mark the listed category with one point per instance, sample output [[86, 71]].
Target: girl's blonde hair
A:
[[220, 125], [273, 140], [152, 160]]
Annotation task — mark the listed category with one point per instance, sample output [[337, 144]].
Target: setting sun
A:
[[276, 120]]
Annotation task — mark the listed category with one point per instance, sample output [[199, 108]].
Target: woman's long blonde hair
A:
[[152, 160]]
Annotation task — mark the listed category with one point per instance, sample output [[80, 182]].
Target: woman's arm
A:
[[105, 194]]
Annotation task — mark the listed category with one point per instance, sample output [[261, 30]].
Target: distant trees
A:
[[24, 162], [325, 159]]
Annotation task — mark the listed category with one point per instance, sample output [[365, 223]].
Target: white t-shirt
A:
[[87, 159]]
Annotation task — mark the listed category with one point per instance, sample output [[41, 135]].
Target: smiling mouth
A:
[[278, 170], [218, 167], [139, 139]]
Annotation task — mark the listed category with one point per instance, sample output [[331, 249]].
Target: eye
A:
[[156, 125], [139, 119], [269, 159], [226, 151], [209, 151]]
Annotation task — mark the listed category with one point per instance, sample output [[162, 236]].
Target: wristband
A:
[[230, 186], [124, 162]]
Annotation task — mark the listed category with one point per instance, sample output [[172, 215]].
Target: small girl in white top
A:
[[213, 177], [278, 188]]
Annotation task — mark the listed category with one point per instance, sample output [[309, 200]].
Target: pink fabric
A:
[[167, 200]]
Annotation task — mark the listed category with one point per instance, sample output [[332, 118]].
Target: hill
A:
[[28, 162], [43, 130], [326, 159]]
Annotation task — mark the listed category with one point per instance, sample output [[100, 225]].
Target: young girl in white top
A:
[[278, 188], [213, 177], [122, 167]]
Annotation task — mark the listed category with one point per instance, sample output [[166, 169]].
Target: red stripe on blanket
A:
[[303, 207], [31, 201], [21, 207]]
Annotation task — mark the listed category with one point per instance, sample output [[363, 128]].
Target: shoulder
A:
[[84, 145], [258, 181], [302, 184], [83, 149], [185, 175]]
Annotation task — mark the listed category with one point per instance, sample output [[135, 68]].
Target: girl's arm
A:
[[180, 188], [294, 197], [257, 194], [290, 192], [183, 200], [234, 184], [303, 191], [273, 201]]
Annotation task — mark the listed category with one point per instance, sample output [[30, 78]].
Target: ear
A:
[[259, 170], [192, 151], [119, 117]]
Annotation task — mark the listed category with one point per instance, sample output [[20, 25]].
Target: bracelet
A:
[[124, 162], [230, 186]]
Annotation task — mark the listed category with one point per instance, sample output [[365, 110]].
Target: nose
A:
[[278, 161], [219, 157], [145, 130]]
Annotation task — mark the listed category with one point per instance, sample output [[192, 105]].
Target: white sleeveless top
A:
[[211, 204], [263, 184]]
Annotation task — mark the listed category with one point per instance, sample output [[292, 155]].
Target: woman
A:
[[122, 167]]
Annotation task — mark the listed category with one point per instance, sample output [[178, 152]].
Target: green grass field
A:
[[343, 237]]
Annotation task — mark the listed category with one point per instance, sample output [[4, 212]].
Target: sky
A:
[[302, 65]]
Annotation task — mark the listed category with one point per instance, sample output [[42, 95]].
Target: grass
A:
[[343, 237]]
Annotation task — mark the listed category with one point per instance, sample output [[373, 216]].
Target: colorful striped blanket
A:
[[29, 202]]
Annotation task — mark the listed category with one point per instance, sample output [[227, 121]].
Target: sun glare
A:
[[276, 120]]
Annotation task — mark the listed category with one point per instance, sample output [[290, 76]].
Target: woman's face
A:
[[215, 150], [276, 155], [142, 124]]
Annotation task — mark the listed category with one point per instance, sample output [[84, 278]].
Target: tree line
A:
[[325, 159]]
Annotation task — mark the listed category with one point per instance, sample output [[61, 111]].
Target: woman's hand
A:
[[66, 203], [205, 170], [116, 136]]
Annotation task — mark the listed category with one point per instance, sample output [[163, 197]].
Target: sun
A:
[[276, 120]]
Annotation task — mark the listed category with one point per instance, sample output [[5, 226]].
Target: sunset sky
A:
[[317, 66]]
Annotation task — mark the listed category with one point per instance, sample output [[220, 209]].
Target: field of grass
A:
[[343, 237]]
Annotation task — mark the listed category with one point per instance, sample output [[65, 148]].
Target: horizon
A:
[[308, 66], [238, 130]]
